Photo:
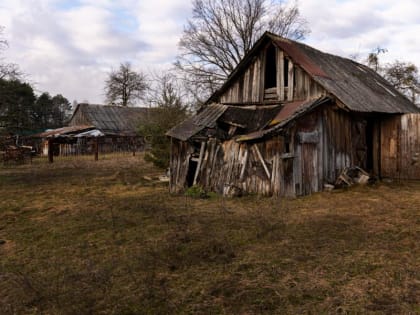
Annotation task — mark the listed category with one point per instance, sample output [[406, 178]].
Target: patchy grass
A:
[[81, 237]]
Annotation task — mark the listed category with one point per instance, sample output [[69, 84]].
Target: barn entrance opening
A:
[[192, 167], [369, 145]]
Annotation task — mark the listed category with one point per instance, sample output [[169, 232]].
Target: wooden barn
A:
[[289, 119], [103, 128]]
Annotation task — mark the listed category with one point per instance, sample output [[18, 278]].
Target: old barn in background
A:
[[97, 129], [289, 119]]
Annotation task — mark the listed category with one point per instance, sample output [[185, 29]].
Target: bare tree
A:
[[8, 71], [221, 32], [404, 76], [125, 85], [372, 59]]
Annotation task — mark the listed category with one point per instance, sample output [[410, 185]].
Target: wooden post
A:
[[244, 163], [96, 149], [290, 81], [280, 74], [133, 146], [267, 172], [50, 151], [200, 159]]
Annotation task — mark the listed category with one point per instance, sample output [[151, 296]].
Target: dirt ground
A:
[[85, 237]]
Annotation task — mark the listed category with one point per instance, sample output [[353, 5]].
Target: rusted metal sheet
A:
[[290, 111], [70, 130], [294, 50]]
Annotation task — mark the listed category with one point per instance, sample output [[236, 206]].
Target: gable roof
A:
[[357, 86], [109, 119]]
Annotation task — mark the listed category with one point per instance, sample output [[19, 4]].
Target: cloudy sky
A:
[[69, 46]]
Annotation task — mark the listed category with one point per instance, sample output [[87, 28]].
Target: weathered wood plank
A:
[[280, 74], [290, 88]]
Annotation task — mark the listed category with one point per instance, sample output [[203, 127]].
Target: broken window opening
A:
[[270, 68], [287, 147], [287, 143]]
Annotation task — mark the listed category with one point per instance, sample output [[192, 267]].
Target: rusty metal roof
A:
[[249, 118], [294, 51], [70, 130], [288, 112], [254, 121], [357, 86], [205, 119]]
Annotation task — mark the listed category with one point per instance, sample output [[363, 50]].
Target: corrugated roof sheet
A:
[[255, 121], [63, 131], [113, 119], [205, 119], [357, 86], [289, 112], [249, 118]]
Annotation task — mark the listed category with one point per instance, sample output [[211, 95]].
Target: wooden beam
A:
[[244, 163], [267, 172], [96, 149], [280, 74], [290, 80], [200, 160], [50, 151]]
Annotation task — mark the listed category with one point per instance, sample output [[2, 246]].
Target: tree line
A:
[[24, 113], [21, 111]]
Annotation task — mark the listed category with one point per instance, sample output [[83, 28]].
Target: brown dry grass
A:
[[97, 238]]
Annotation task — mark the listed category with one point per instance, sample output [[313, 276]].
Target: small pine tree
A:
[[169, 110]]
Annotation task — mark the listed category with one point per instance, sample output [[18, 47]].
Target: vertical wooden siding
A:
[[249, 86], [180, 160], [321, 143], [400, 147]]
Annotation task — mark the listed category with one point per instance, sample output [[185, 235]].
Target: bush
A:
[[196, 192]]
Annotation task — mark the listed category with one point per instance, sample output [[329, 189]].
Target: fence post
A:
[[50, 151], [96, 149]]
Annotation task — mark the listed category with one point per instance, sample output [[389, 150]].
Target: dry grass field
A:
[[85, 237]]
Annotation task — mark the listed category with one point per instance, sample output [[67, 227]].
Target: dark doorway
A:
[[192, 167], [369, 144], [270, 68]]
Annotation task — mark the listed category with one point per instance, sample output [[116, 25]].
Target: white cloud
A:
[[358, 26], [68, 46]]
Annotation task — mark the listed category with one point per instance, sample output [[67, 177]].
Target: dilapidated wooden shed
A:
[[93, 128], [289, 119]]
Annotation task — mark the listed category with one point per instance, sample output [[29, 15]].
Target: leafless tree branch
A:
[[221, 32], [125, 85]]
